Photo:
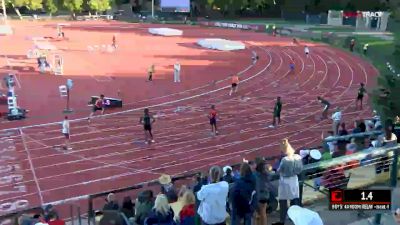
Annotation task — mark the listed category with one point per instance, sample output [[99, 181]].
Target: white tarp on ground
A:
[[5, 30], [165, 31], [221, 44]]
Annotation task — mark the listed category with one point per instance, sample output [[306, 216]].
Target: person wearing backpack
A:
[[243, 197]]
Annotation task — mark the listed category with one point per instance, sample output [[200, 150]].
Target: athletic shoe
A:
[[271, 126], [152, 141], [216, 132], [146, 142]]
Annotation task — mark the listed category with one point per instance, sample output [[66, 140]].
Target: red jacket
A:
[[187, 211], [56, 222]]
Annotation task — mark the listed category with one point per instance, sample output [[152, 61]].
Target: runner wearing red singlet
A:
[[213, 120], [114, 42], [235, 83], [98, 105]]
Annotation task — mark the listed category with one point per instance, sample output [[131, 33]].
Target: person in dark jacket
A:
[[128, 207], [228, 177], [243, 196], [111, 204], [143, 206], [161, 213], [263, 190]]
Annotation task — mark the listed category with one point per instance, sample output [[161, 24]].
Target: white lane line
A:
[[28, 154]]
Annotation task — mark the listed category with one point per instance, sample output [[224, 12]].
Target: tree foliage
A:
[[73, 5], [99, 5], [50, 6]]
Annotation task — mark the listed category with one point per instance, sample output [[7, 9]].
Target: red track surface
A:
[[103, 155]]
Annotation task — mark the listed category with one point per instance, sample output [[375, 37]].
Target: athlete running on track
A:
[[147, 120], [277, 112], [98, 105], [114, 42], [326, 106], [360, 95], [235, 83], [213, 120]]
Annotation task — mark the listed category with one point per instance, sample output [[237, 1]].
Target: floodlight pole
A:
[[152, 8]]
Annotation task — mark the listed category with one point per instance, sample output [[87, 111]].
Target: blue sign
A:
[[69, 84]]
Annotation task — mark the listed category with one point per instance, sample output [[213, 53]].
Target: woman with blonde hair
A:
[[290, 166], [186, 215], [161, 213]]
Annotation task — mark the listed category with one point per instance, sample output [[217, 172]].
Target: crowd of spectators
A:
[[247, 194]]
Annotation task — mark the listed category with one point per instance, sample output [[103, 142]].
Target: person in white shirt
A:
[[213, 197], [66, 133], [336, 120], [177, 72], [306, 50]]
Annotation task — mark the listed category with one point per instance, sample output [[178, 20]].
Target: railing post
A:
[[79, 215], [71, 212], [90, 210], [394, 171], [301, 184]]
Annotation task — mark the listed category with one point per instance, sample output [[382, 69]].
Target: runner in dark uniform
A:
[[98, 105], [213, 120], [277, 112], [360, 95], [147, 120], [326, 107]]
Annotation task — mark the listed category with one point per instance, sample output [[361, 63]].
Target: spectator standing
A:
[[352, 44], [262, 189], [188, 212], [177, 72], [365, 48], [111, 203], [128, 209], [228, 177], [161, 213], [167, 188], [306, 51], [213, 196], [49, 211], [143, 206], [336, 119], [290, 167], [243, 197]]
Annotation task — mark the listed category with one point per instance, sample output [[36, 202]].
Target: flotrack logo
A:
[[372, 14]]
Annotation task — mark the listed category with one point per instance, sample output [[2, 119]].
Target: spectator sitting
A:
[[263, 189], [167, 188], [213, 196], [143, 206], [396, 128], [228, 177], [341, 144], [128, 207], [351, 147], [186, 215], [289, 168], [389, 135], [331, 145], [54, 220], [111, 203], [25, 220], [161, 213], [243, 197]]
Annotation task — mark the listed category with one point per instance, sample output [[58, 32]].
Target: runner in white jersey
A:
[[66, 133]]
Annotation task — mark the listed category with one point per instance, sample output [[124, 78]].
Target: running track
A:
[[110, 152]]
